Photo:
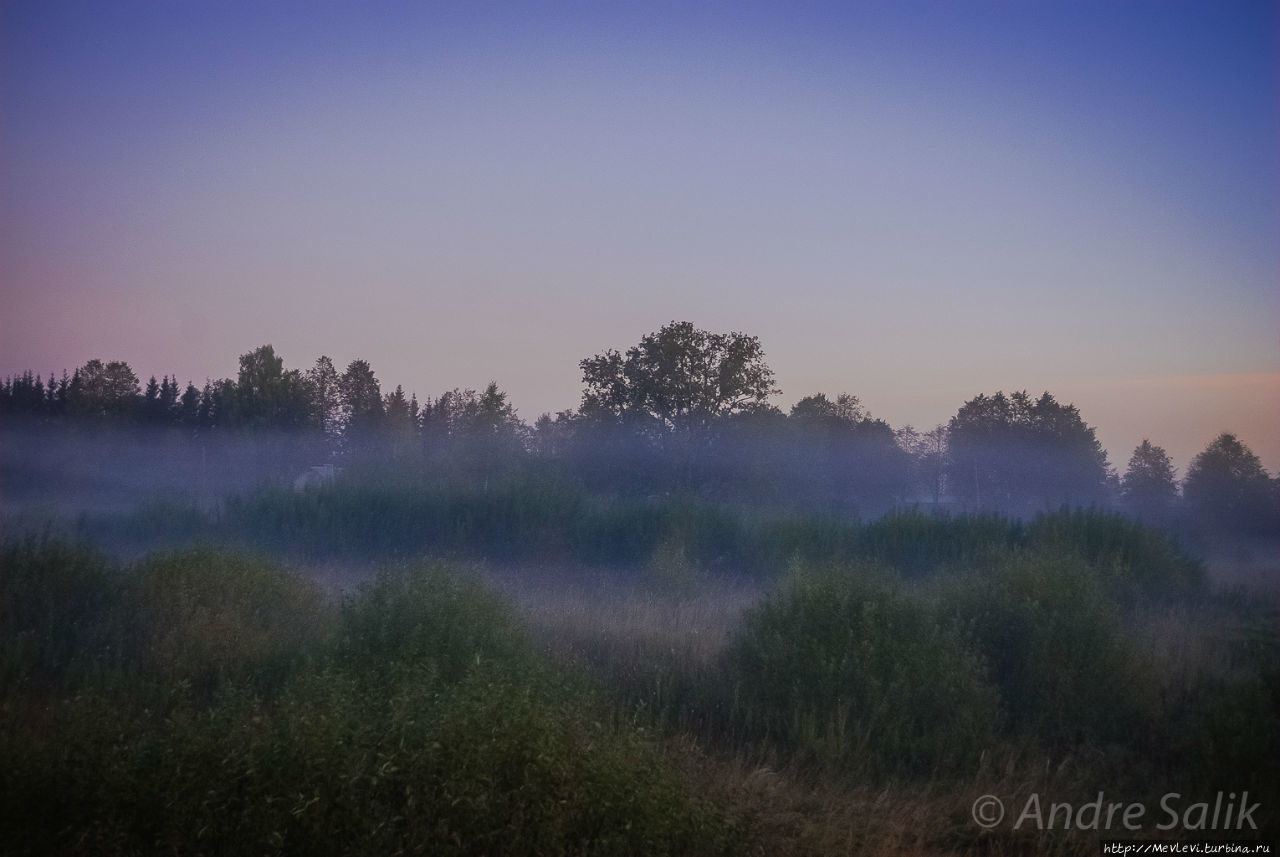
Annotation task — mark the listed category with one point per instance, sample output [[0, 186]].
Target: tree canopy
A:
[[1148, 488], [677, 379], [685, 410], [1021, 454], [1227, 485]]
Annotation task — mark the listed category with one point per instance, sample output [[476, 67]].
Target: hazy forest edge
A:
[[684, 412]]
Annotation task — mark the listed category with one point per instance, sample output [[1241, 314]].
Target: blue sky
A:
[[912, 202]]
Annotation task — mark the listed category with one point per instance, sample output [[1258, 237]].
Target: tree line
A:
[[684, 410]]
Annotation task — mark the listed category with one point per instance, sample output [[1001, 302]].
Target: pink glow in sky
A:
[[911, 202]]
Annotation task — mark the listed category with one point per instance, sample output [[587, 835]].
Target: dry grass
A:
[[575, 617], [1250, 567], [787, 811]]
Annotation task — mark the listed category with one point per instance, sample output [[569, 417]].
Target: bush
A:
[[207, 616], [427, 615], [1136, 562], [916, 543], [1054, 642], [245, 714], [55, 599], [845, 666]]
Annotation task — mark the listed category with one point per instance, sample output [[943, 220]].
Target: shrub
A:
[[1055, 645], [846, 666], [205, 616], [236, 722], [1136, 561], [426, 614], [54, 602]]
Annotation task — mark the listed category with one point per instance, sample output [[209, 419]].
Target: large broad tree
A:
[[1227, 487], [843, 456], [649, 418], [677, 379], [269, 396], [107, 390], [1024, 455], [1148, 489]]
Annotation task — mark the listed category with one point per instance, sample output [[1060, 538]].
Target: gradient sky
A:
[[911, 202]]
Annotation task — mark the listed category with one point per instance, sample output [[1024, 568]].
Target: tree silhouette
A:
[[265, 395], [1228, 488], [677, 379], [362, 408], [1148, 489], [1022, 455], [107, 390]]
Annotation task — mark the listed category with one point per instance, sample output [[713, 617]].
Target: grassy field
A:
[[853, 697]]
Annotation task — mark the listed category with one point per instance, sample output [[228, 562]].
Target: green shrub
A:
[[205, 616], [55, 603], [847, 667], [427, 614], [1136, 562], [1054, 642], [247, 715], [917, 544]]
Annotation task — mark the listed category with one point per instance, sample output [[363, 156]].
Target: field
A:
[[513, 673]]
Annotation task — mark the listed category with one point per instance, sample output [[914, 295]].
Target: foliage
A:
[[677, 378], [1148, 488], [53, 597], [848, 669], [1227, 486], [1055, 645], [1021, 455], [425, 724], [209, 617], [1134, 563]]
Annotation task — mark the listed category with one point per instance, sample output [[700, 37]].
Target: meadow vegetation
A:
[[612, 676]]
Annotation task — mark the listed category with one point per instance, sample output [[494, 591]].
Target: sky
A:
[[914, 202]]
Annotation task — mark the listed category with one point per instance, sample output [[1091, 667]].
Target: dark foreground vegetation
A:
[[210, 701]]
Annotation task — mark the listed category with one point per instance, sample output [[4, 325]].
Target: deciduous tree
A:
[[1148, 489]]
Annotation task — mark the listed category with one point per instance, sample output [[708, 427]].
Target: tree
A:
[[677, 379], [169, 396], [401, 420], [846, 410], [267, 396], [107, 390], [474, 432], [326, 397], [1022, 455], [362, 409], [153, 409], [927, 453], [1148, 489], [189, 406], [843, 456], [1227, 487], [672, 391]]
